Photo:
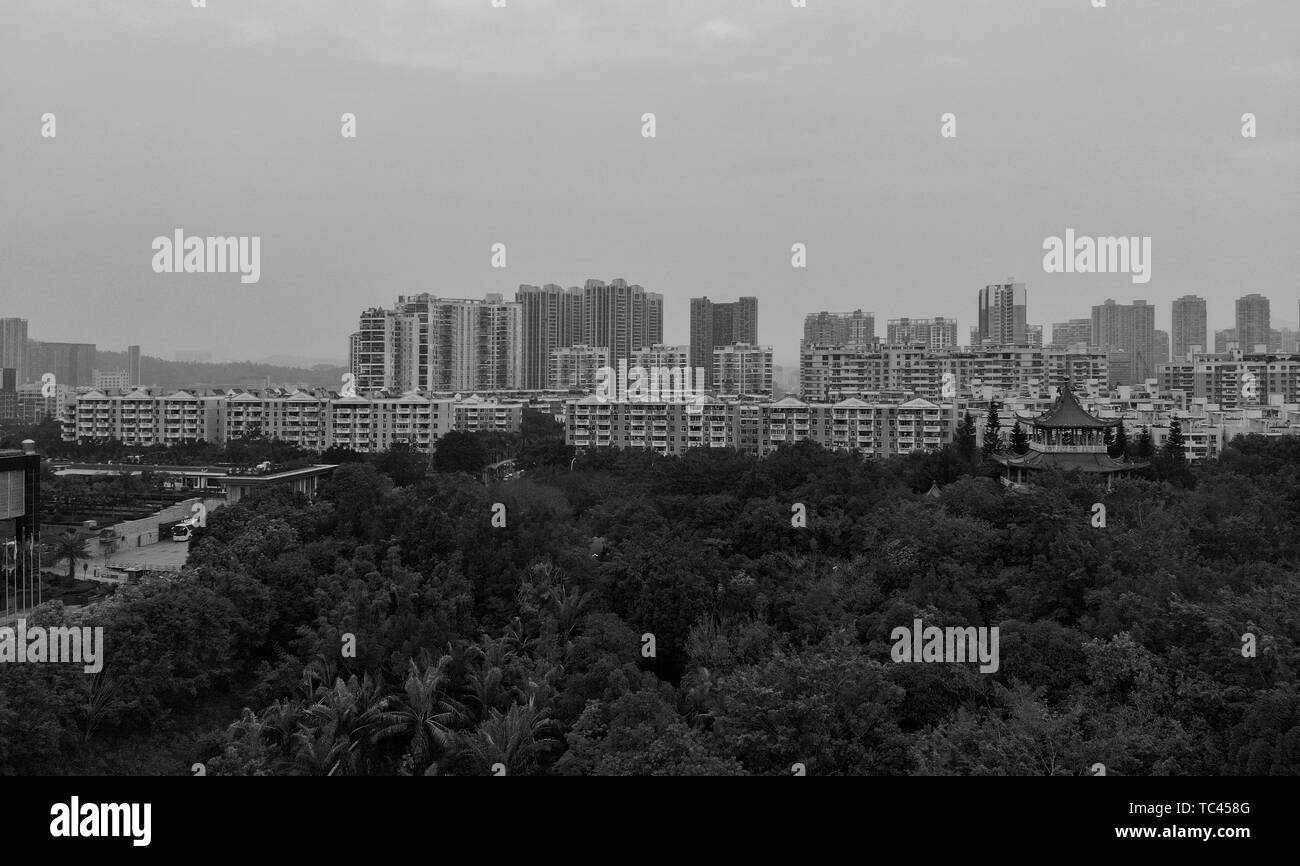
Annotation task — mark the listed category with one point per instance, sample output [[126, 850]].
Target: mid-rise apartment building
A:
[[715, 324], [1189, 327], [576, 367], [742, 369], [1003, 309], [1235, 380], [1071, 333], [759, 428], [839, 329], [672, 357], [1254, 333], [440, 344], [313, 421], [936, 333], [1127, 328], [111, 380]]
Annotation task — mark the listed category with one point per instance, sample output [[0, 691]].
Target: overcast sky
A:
[[522, 125]]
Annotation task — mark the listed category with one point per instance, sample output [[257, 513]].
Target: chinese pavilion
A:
[[1066, 437]]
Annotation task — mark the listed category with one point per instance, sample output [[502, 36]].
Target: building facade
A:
[[70, 363], [133, 372], [1071, 333], [441, 344], [111, 380], [13, 347], [1131, 329], [936, 333], [839, 329], [624, 318], [552, 319], [313, 421], [877, 429], [742, 369], [1002, 314], [1253, 325], [576, 368], [715, 324], [1188, 331]]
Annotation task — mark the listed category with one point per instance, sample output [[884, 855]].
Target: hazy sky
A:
[[522, 125]]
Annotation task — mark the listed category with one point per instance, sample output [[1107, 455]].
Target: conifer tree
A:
[[1144, 447], [1019, 439], [1119, 442], [965, 441], [1176, 444], [992, 431]]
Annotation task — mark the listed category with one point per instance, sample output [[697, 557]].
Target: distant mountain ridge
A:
[[301, 361], [181, 374]]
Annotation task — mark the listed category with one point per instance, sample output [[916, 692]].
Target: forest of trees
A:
[[390, 628]]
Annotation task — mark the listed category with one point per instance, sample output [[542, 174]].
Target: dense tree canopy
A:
[[394, 626]]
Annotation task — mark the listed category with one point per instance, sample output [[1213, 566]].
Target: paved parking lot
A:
[[165, 555], [161, 556]]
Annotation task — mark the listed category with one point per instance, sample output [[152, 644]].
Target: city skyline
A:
[[575, 332], [712, 205]]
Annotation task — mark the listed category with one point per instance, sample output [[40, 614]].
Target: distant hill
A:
[[183, 374], [301, 361]]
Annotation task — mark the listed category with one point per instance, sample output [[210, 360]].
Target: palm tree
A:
[[316, 751], [350, 711], [72, 548], [512, 738], [699, 697], [279, 721], [568, 604], [484, 689], [424, 712], [97, 692]]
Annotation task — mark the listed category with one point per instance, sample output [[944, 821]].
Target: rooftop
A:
[[1067, 412], [273, 477], [1090, 462]]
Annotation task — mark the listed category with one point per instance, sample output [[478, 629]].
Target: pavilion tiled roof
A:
[[1067, 412], [1089, 462]]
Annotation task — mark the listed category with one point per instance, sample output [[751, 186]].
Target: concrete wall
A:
[[138, 533]]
